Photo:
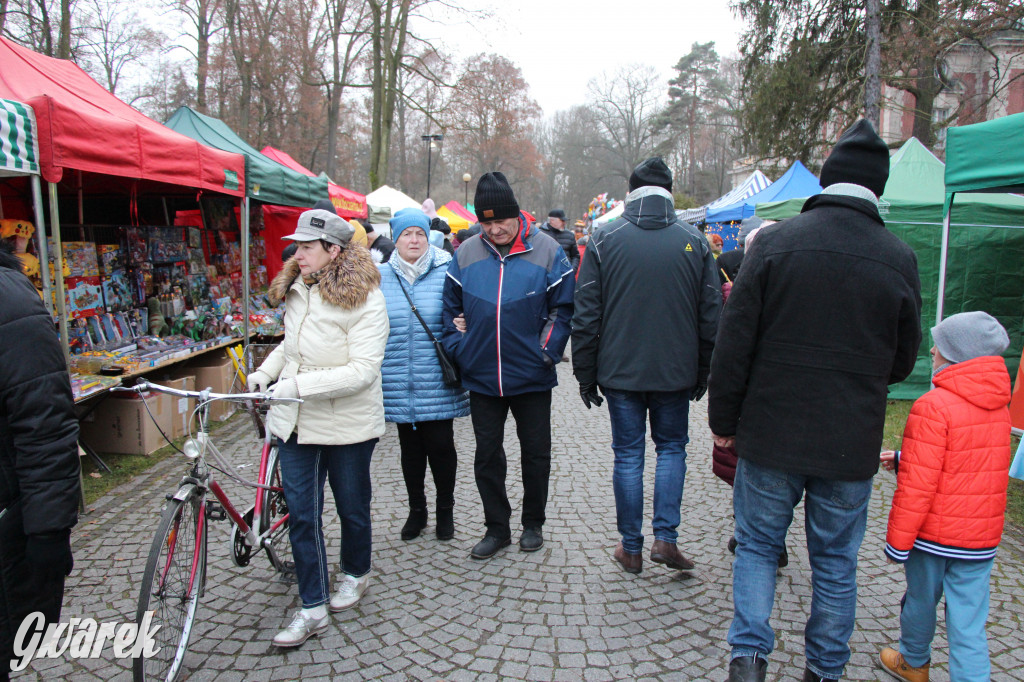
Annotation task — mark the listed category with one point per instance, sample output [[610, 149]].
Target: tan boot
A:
[[893, 663]]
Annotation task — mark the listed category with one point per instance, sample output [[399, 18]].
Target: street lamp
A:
[[433, 141], [466, 177]]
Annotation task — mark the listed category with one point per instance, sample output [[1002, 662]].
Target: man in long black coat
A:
[[824, 314], [39, 482]]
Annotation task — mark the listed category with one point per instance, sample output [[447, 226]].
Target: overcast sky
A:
[[561, 44]]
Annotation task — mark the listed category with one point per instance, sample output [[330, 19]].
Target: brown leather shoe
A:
[[892, 662], [631, 563], [668, 554]]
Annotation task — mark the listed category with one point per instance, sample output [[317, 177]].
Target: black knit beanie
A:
[[654, 172], [860, 157], [494, 199], [326, 205]]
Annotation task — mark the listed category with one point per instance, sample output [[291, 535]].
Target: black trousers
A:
[[532, 412], [431, 443]]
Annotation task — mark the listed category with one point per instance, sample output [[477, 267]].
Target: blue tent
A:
[[796, 182]]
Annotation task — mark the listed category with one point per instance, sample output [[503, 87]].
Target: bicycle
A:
[[175, 576]]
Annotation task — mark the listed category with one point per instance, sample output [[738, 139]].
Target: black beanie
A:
[[654, 172], [326, 205], [494, 199], [860, 157]]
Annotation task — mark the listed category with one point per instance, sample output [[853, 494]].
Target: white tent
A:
[[383, 202]]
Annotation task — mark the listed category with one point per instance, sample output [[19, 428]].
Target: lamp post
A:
[[432, 142], [466, 177]]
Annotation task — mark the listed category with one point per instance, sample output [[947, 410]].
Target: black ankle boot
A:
[[445, 523], [416, 522], [810, 676], [748, 669]]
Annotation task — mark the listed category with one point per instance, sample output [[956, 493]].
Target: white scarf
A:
[[848, 189], [412, 271]]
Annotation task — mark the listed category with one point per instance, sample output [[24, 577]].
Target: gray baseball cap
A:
[[320, 224]]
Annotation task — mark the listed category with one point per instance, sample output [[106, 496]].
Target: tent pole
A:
[[58, 272], [42, 248], [943, 253], [245, 271]]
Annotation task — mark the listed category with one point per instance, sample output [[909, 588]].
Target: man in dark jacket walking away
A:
[[555, 228], [39, 483], [507, 307], [647, 307], [825, 313]]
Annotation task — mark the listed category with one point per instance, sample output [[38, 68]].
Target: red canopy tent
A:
[[349, 204], [458, 209], [82, 127]]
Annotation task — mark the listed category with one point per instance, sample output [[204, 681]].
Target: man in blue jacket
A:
[[507, 305]]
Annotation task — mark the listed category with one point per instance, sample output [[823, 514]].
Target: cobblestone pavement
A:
[[563, 613]]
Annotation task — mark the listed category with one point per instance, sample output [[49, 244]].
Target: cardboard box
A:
[[215, 371], [179, 408], [122, 425]]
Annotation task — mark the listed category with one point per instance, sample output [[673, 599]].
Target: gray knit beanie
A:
[[966, 336]]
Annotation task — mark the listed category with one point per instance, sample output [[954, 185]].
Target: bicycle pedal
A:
[[215, 511]]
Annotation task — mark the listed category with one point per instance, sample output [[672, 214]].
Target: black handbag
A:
[[449, 370]]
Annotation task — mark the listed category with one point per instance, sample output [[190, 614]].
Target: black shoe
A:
[[489, 546], [445, 523], [748, 669], [784, 558], [810, 676], [416, 522], [531, 540], [732, 545]]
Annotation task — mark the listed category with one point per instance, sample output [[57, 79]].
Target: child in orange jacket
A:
[[946, 519]]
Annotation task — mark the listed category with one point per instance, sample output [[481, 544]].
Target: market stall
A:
[[127, 271], [347, 204], [724, 220], [752, 184], [275, 195], [384, 202]]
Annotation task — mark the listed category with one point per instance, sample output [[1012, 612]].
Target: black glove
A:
[[588, 392], [49, 555], [698, 391]]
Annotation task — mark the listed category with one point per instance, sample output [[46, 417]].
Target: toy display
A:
[[81, 259], [83, 296], [19, 232]]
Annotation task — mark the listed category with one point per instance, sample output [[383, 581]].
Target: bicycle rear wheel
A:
[[274, 509], [171, 586]]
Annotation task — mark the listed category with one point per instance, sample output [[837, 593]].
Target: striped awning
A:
[[19, 153], [754, 183]]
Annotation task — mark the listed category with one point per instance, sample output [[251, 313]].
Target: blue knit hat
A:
[[409, 217]]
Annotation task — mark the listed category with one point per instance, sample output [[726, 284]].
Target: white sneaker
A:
[[300, 629], [350, 591]]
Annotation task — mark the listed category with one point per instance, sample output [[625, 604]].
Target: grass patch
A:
[[896, 412], [123, 468]]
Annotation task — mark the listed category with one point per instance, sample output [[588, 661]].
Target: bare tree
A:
[[205, 21], [114, 38], [626, 105]]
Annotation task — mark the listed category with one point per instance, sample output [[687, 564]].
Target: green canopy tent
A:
[[266, 180], [983, 270]]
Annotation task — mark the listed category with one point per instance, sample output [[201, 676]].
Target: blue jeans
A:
[[965, 584], [669, 414], [304, 469], [836, 516]]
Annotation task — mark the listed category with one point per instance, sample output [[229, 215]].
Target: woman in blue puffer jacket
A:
[[415, 396]]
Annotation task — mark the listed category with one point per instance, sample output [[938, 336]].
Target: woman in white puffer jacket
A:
[[336, 327]]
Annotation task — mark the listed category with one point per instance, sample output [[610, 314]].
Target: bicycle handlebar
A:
[[144, 385]]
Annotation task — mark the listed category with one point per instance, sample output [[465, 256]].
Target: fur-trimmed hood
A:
[[345, 282]]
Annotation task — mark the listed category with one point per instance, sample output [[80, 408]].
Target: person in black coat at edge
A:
[[39, 479], [555, 228], [825, 313], [729, 262]]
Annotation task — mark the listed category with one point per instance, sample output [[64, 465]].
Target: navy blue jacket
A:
[[414, 390], [517, 309]]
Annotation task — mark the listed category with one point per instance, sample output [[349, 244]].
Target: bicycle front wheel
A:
[[275, 511], [171, 586]]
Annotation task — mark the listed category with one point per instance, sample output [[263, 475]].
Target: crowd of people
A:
[[793, 341]]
